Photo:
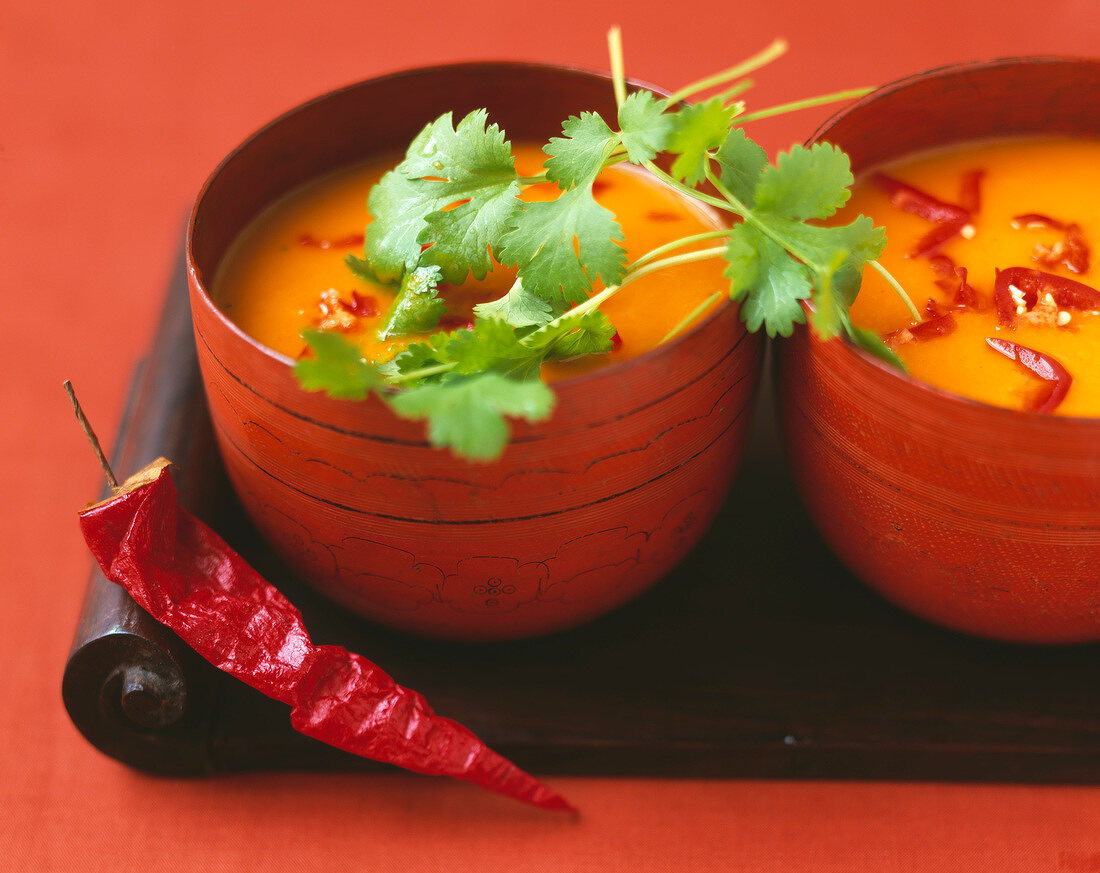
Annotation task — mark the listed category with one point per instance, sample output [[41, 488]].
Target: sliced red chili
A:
[[1032, 286], [1075, 253], [190, 580], [953, 280], [1056, 378], [937, 326], [346, 242], [1072, 251], [970, 191], [361, 305], [1036, 219], [919, 203], [936, 237], [965, 295], [943, 268], [941, 325]]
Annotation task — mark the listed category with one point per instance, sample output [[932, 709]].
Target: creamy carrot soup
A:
[[996, 246], [286, 271]]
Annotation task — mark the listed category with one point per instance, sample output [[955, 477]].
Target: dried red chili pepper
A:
[[1034, 285], [189, 579], [1056, 378]]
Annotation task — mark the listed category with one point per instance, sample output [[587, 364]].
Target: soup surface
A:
[[1014, 338], [286, 271]]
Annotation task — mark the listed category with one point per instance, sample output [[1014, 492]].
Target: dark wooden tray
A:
[[759, 656]]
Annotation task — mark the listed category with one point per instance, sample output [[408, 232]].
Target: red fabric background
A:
[[112, 114]]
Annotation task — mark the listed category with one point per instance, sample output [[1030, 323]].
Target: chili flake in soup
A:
[[286, 271], [996, 245]]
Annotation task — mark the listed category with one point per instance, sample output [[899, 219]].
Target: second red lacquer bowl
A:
[[982, 519]]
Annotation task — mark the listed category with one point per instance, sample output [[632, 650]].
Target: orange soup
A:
[[995, 245], [287, 273]]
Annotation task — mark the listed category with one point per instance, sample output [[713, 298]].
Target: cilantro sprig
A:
[[451, 209]]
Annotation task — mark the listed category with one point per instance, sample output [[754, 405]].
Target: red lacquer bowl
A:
[[982, 519], [581, 513]]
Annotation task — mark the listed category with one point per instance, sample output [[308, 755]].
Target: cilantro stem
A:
[[749, 217], [685, 258], [794, 106], [896, 285], [694, 314], [685, 189], [421, 373], [738, 88], [777, 48], [679, 243], [618, 68]]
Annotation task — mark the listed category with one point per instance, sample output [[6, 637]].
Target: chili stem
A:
[[92, 438]]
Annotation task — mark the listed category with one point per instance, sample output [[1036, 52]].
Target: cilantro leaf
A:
[[806, 183], [645, 128], [398, 207], [336, 367], [467, 414], [588, 333], [417, 306], [696, 129], [578, 158], [492, 345], [421, 355], [470, 165], [519, 308], [469, 168], [363, 268], [767, 280], [741, 161], [563, 245], [871, 342]]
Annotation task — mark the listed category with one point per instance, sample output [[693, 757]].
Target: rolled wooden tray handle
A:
[[131, 686]]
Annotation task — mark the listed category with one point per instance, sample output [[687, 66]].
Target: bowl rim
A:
[[866, 359], [568, 383]]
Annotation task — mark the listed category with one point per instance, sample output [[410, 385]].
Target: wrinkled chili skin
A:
[[1055, 378], [187, 577]]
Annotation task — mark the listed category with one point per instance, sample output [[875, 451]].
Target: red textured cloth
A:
[[112, 115]]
